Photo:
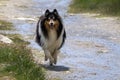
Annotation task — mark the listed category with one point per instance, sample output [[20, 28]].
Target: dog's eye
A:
[[48, 19], [54, 19]]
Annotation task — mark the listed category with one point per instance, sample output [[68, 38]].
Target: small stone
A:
[[67, 72], [103, 51], [93, 73]]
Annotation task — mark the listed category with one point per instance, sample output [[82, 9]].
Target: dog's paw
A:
[[51, 64], [55, 61], [55, 58], [51, 61]]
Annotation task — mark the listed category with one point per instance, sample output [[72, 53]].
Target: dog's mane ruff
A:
[[38, 36], [43, 28], [59, 30], [64, 33], [64, 37]]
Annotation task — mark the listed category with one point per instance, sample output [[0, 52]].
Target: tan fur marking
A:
[[47, 25], [56, 24]]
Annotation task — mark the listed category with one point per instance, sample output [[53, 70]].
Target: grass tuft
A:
[[4, 25]]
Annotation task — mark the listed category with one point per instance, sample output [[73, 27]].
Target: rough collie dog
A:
[[50, 35]]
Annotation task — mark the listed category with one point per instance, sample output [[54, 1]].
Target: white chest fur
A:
[[52, 37], [52, 42]]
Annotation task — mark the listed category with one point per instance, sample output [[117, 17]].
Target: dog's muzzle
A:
[[51, 24]]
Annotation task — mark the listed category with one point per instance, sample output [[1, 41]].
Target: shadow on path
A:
[[55, 68]]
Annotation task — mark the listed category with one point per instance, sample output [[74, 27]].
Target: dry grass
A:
[[5, 25]]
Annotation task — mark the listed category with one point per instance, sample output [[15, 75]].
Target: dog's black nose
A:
[[51, 24]]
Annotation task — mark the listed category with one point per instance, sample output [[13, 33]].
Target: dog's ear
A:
[[55, 11], [47, 12]]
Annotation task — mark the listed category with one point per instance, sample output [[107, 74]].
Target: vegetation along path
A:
[[92, 48]]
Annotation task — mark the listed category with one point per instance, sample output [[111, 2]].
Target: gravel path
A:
[[92, 48]]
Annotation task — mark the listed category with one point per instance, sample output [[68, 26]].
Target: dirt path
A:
[[92, 48]]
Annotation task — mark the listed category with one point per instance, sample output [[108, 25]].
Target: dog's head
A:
[[52, 20]]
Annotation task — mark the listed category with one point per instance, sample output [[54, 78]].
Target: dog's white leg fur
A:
[[48, 55], [55, 56]]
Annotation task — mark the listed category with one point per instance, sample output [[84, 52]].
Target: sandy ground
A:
[[92, 48]]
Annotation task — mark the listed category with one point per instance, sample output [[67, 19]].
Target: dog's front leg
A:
[[46, 58], [55, 56], [48, 55]]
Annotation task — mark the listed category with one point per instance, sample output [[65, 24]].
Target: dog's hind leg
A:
[[55, 56], [48, 55]]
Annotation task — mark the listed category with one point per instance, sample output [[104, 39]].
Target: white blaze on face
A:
[[51, 22]]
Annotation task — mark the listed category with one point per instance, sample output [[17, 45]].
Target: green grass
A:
[[5, 25], [16, 62], [107, 7]]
